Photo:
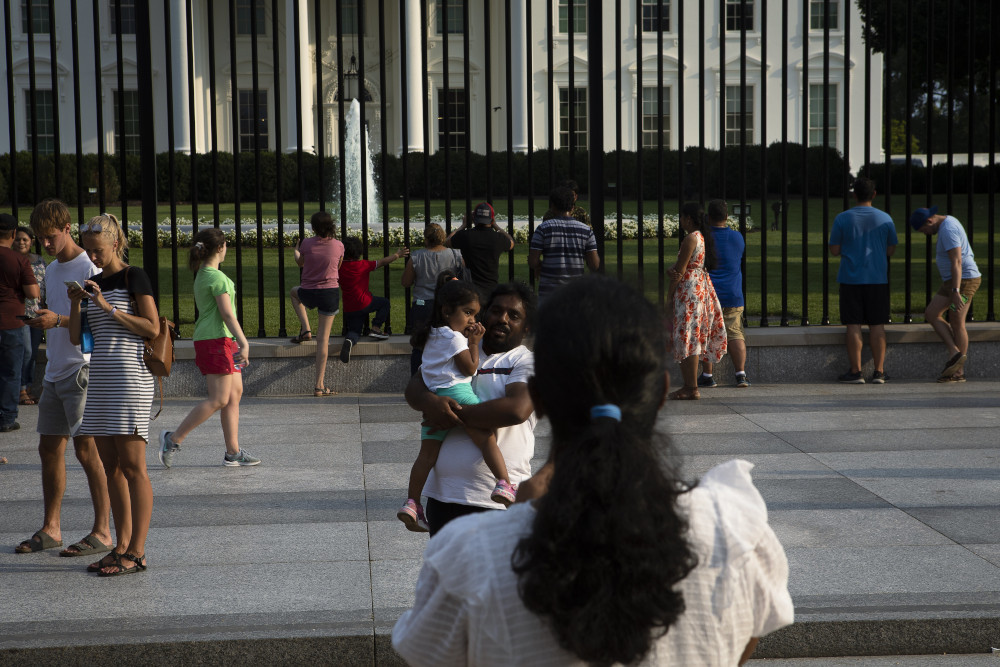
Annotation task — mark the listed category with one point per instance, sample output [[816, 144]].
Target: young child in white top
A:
[[451, 358]]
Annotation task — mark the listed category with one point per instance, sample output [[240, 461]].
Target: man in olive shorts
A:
[[727, 278], [864, 237], [961, 279]]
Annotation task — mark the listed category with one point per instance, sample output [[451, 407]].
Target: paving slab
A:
[[890, 518]]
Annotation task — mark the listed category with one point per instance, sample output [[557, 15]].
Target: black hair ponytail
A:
[[694, 211], [607, 546]]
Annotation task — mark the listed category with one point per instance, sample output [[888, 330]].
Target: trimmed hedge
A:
[[207, 177]]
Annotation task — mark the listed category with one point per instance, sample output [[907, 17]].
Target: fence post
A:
[[595, 85], [147, 145]]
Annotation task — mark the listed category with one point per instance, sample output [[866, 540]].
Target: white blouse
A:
[[467, 609]]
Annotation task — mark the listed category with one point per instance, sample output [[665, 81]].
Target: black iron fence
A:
[[189, 112]]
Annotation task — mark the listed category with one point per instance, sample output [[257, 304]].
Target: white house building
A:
[[701, 59]]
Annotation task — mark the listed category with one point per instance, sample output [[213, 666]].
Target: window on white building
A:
[[128, 16], [655, 15], [451, 116], [579, 16], [739, 14], [573, 134], [451, 17], [245, 10], [39, 20], [41, 133], [822, 98], [248, 121], [655, 117], [127, 136], [349, 16], [822, 12], [736, 115]]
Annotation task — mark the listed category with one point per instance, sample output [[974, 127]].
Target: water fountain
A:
[[351, 154]]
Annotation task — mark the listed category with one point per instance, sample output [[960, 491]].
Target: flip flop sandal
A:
[[320, 392], [26, 399], [38, 542], [136, 567], [302, 337], [86, 547]]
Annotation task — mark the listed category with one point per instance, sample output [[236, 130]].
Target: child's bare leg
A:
[[487, 443], [422, 467]]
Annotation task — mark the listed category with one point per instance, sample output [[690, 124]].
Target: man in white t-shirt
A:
[[461, 483], [64, 391]]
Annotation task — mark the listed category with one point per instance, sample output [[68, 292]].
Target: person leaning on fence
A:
[[961, 279], [481, 247], [320, 258], [617, 560], [421, 273], [727, 279], [64, 391], [561, 247], [864, 237], [120, 312], [358, 299], [221, 352]]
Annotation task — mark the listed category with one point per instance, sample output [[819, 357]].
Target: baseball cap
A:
[[483, 214], [919, 217]]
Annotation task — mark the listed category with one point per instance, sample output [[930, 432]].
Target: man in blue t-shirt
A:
[[727, 278], [961, 279], [864, 237]]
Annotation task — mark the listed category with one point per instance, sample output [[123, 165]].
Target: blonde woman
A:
[[119, 312]]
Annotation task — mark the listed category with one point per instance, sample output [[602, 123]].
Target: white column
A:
[[414, 79], [179, 76], [519, 78], [307, 121]]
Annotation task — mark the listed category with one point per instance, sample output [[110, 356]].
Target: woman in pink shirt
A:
[[320, 258]]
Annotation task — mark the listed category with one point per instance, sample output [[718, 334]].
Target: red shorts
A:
[[215, 356]]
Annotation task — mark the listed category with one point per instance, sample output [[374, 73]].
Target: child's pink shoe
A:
[[504, 493], [412, 515]]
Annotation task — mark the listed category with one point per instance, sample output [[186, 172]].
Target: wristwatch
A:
[[955, 289]]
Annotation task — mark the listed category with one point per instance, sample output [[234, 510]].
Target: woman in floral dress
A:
[[698, 328]]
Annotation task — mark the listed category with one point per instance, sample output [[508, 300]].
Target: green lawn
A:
[[801, 284]]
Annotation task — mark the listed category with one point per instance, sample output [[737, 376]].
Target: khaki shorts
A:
[[733, 318], [968, 288]]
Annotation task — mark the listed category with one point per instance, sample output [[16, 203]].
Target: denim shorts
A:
[[326, 301]]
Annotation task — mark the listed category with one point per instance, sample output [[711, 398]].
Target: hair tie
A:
[[607, 410], [199, 245]]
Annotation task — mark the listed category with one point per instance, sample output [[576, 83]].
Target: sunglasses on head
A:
[[94, 226]]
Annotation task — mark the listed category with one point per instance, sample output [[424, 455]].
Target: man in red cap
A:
[[481, 247], [961, 279]]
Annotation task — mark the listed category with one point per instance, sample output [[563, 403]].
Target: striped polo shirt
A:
[[563, 243]]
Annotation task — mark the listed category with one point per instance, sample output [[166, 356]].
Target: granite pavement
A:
[[886, 498]]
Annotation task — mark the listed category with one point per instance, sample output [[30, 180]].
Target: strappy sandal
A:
[[686, 394], [302, 337], [320, 392], [26, 399], [136, 567], [107, 561]]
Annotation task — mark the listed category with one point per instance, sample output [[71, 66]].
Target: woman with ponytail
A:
[[699, 329], [616, 560], [221, 352]]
